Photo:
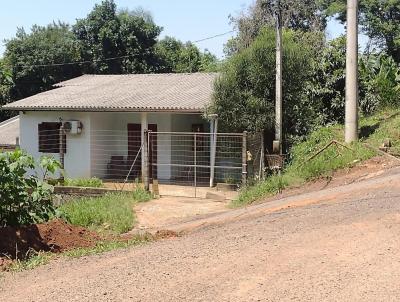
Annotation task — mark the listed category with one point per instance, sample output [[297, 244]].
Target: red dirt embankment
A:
[[55, 236]]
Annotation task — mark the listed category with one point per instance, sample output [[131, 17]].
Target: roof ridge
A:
[[10, 120]]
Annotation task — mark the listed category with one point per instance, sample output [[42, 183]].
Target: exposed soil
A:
[[55, 236]]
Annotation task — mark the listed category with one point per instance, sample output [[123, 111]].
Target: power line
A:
[[77, 63], [216, 36], [112, 58]]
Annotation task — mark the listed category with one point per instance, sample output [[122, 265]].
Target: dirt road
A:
[[340, 248]]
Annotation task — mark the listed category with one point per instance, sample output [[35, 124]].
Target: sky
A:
[[184, 19]]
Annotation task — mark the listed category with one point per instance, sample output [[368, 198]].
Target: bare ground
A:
[[339, 244]]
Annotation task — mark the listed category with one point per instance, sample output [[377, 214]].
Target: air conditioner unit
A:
[[73, 127]]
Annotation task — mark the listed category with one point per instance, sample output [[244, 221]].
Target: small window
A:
[[49, 138]]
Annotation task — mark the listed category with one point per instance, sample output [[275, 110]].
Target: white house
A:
[[104, 118]]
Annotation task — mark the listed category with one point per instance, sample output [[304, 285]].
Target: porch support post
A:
[[144, 128], [213, 139], [244, 159]]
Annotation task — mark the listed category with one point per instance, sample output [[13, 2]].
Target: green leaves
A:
[[25, 198], [106, 33], [245, 93], [176, 56], [379, 20]]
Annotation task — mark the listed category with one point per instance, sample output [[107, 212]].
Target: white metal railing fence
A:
[[190, 159], [196, 159]]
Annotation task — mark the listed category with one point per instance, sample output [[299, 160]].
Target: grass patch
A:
[[106, 246], [43, 258], [93, 182], [374, 130], [35, 260], [111, 213]]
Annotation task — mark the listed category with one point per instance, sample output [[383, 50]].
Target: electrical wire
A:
[[112, 58]]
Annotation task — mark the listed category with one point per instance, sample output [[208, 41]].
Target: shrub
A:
[[93, 182], [25, 199]]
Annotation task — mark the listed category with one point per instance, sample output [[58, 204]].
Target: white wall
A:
[[77, 158], [104, 135]]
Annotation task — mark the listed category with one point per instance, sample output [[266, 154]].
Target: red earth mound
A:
[[55, 236]]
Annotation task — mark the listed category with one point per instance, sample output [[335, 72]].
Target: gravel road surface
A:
[[345, 248]]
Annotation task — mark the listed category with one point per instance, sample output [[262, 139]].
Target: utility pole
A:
[[351, 119], [278, 93]]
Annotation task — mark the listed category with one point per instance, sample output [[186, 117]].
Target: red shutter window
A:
[[49, 138]]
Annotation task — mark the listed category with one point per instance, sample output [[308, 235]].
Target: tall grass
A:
[[111, 213]]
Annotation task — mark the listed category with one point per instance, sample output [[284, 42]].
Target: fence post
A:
[[61, 150], [244, 158], [146, 143], [195, 165]]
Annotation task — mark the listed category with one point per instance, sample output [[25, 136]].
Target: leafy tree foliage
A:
[[176, 56], [44, 45], [5, 87], [24, 199], [380, 79], [379, 19], [327, 84], [302, 15], [245, 92], [378, 82], [106, 33]]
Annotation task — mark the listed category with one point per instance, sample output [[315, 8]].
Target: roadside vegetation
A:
[[111, 213], [82, 226], [93, 182], [42, 258], [303, 167]]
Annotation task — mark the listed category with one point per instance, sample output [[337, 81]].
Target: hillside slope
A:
[[305, 164]]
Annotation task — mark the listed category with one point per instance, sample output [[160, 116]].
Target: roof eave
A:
[[159, 110]]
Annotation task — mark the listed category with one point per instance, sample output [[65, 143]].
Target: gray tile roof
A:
[[136, 92], [9, 131]]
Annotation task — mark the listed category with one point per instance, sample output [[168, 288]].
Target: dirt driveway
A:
[[341, 244], [167, 210]]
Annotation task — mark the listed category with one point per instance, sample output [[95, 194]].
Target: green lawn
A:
[[301, 169]]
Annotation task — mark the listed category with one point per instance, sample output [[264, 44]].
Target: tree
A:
[[106, 34], [379, 20], [20, 74], [245, 92], [379, 82], [302, 15], [176, 56], [44, 45], [5, 87]]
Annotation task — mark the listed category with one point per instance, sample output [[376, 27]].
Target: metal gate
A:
[[190, 163]]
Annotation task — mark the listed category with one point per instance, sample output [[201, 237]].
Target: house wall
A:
[[77, 158], [105, 135]]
